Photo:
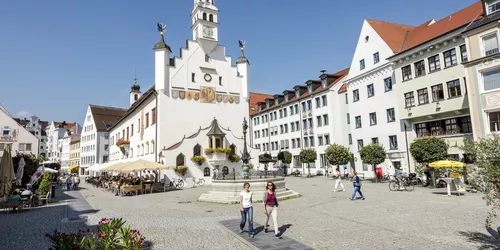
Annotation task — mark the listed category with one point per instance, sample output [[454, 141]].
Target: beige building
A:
[[431, 83], [74, 150], [483, 71]]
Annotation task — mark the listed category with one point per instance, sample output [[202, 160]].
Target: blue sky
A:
[[58, 56]]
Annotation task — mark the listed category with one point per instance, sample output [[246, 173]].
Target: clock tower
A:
[[205, 24]]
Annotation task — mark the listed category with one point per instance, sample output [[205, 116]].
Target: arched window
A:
[[138, 150], [204, 16], [179, 161], [233, 149], [206, 172], [197, 150], [146, 150], [131, 152], [225, 170], [142, 149], [136, 97], [211, 18], [152, 149]]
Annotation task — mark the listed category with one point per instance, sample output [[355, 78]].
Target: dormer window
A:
[[492, 7], [260, 108], [310, 88], [267, 103], [286, 97], [276, 101], [297, 93], [324, 83]]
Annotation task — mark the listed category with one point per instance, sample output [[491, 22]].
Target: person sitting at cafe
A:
[[15, 195]]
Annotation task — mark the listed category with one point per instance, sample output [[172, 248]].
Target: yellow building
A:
[[74, 151]]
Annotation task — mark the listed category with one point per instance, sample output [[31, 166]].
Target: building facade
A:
[[199, 101], [94, 142], [304, 117], [483, 71], [55, 132], [432, 93], [38, 129], [372, 97], [74, 151], [65, 149], [13, 133]]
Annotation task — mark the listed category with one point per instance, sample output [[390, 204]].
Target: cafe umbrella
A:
[[20, 172], [6, 172]]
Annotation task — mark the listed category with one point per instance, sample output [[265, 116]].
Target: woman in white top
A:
[[246, 209], [338, 180]]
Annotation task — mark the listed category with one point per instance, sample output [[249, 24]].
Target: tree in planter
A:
[[429, 149], [198, 159], [337, 155], [45, 184], [486, 175], [182, 170], [372, 154], [285, 157], [308, 156]]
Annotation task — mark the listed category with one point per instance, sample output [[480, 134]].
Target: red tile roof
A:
[[393, 34], [425, 32], [343, 89], [70, 126], [256, 98]]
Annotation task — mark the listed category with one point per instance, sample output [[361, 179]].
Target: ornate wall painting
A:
[[175, 94], [196, 96], [207, 95], [224, 98], [237, 99], [219, 98], [189, 96], [231, 99], [182, 94]]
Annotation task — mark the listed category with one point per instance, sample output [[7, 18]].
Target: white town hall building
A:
[[199, 101]]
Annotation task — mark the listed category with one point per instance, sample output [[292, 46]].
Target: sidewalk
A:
[[76, 206]]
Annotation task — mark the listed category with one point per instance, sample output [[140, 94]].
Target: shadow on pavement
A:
[[487, 241]]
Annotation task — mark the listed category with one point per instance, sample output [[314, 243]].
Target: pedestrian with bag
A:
[[246, 209], [271, 208], [338, 180], [356, 182]]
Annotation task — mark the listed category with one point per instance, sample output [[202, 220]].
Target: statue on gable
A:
[[14, 135]]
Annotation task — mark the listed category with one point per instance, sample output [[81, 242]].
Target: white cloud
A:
[[23, 114]]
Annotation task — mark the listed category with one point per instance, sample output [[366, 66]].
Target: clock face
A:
[[208, 32], [208, 77]]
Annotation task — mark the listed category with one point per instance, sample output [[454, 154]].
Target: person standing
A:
[[246, 209], [356, 182], [68, 183], [338, 180], [271, 207]]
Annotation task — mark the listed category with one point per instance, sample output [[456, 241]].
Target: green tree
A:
[[308, 156], [337, 155], [429, 149], [285, 157], [372, 154], [486, 174]]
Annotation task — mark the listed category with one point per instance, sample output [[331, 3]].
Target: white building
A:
[[11, 132], [199, 101], [38, 129], [55, 132], [309, 116], [94, 140], [65, 149], [373, 98]]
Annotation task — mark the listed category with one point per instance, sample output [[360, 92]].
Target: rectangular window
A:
[[463, 53], [493, 7], [146, 120], [318, 103], [465, 125], [393, 142], [362, 64], [355, 95], [490, 44], [376, 58], [323, 100], [325, 120], [437, 92], [296, 108], [320, 140], [434, 63], [409, 99], [357, 119], [421, 130], [423, 96], [391, 117], [348, 119], [220, 80], [327, 139], [284, 112], [193, 77], [494, 120], [370, 90], [318, 121], [454, 88], [309, 105], [349, 139], [375, 140], [153, 116], [138, 125], [346, 98], [491, 80], [450, 57], [306, 142], [450, 126], [388, 84], [373, 119], [420, 68], [360, 144], [323, 161], [406, 72]]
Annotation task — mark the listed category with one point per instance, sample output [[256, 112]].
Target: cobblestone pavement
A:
[[320, 219]]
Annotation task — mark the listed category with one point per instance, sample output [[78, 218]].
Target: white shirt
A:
[[247, 199]]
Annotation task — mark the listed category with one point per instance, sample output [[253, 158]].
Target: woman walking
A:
[[356, 182], [246, 209], [271, 207], [338, 181]]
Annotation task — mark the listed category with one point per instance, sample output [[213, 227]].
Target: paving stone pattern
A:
[[264, 240]]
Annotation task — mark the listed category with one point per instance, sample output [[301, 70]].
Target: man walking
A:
[[356, 182]]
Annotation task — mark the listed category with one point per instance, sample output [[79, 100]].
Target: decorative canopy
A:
[[215, 129]]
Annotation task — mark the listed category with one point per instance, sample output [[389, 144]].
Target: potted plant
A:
[[223, 150], [209, 151], [198, 159], [182, 170], [233, 158]]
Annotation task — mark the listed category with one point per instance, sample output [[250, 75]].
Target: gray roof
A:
[[162, 45], [215, 129], [483, 21]]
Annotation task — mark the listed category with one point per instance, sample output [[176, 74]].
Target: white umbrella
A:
[[20, 172], [43, 169]]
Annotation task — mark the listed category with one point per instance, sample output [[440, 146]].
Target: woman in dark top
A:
[[271, 207]]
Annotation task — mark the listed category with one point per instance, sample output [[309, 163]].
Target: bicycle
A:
[[408, 185], [200, 182], [177, 183]]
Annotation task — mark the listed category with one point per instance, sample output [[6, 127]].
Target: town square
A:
[[224, 124]]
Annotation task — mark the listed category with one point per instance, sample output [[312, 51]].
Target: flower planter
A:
[[216, 157]]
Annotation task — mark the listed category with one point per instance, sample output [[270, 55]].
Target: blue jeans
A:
[[247, 213], [357, 189]]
